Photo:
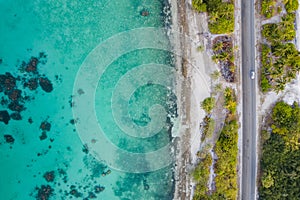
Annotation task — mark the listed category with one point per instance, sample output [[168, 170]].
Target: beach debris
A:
[[46, 84], [4, 116], [44, 192], [49, 176], [9, 139]]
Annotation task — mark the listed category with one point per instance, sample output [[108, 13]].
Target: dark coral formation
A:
[[46, 84], [9, 139], [45, 126], [44, 192], [4, 116], [32, 65], [49, 176], [7, 82], [43, 136], [16, 116], [32, 84], [99, 189], [14, 98]]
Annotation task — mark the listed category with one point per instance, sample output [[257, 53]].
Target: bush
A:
[[208, 104]]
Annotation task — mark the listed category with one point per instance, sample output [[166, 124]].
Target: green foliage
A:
[[221, 14], [287, 123], [291, 5], [280, 164], [208, 104], [201, 176], [268, 8], [230, 100], [208, 128], [225, 168], [280, 167], [281, 32], [199, 5], [215, 75]]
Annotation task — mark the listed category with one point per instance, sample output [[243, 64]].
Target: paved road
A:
[[249, 102]]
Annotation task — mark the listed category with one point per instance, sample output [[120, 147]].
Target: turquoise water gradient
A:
[[67, 31]]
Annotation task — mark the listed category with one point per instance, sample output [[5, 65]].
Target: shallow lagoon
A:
[[65, 34]]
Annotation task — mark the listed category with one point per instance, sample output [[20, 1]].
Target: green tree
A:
[[208, 104]]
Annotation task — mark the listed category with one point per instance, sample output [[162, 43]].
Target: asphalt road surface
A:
[[249, 102]]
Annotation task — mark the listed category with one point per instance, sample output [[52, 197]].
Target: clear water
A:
[[129, 100]]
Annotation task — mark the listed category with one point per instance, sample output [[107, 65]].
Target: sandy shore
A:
[[193, 85]]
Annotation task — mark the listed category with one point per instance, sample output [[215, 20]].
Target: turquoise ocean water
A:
[[42, 155]]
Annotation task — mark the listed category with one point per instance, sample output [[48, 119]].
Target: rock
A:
[[45, 126], [15, 95], [144, 12], [44, 193], [92, 195], [98, 189], [49, 176], [4, 116], [46, 84], [43, 136], [7, 81], [32, 65], [32, 84], [16, 116], [75, 193], [9, 139], [15, 106], [30, 120]]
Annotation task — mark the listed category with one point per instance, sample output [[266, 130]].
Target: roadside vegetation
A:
[[270, 8], [280, 161], [224, 56], [226, 150], [221, 14], [279, 57]]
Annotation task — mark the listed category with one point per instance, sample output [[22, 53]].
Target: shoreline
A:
[[192, 86]]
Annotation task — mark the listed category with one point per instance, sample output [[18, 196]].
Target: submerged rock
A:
[[99, 189], [32, 84], [4, 116], [16, 116], [7, 82], [9, 139], [44, 192], [49, 176], [32, 65], [15, 95], [43, 136], [45, 126], [15, 106], [46, 84], [144, 12]]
